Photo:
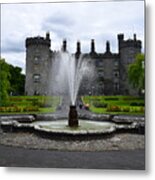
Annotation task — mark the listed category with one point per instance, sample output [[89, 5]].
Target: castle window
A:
[[116, 74], [36, 77], [101, 74], [116, 63], [99, 63], [36, 60]]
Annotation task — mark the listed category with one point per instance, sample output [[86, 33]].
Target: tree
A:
[[12, 81], [136, 72], [17, 80], [4, 81]]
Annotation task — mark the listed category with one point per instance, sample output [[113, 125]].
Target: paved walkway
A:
[[19, 157]]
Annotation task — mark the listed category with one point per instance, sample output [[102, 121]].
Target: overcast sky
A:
[[74, 21]]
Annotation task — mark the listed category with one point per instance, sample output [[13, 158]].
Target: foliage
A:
[[136, 72], [17, 80], [4, 81], [12, 81], [30, 104], [115, 104]]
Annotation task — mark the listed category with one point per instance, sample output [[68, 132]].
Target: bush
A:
[[45, 104], [10, 109], [134, 104], [100, 105], [112, 108], [125, 109], [137, 104], [111, 99], [30, 108]]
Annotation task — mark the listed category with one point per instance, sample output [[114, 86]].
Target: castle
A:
[[111, 68]]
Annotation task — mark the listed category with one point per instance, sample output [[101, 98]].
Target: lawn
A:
[[115, 104], [30, 104], [97, 104]]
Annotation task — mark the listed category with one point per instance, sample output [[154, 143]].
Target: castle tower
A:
[[128, 49], [37, 64]]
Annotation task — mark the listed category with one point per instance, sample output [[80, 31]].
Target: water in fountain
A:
[[69, 73]]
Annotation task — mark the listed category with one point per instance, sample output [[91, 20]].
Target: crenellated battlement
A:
[[38, 41], [131, 43], [128, 43]]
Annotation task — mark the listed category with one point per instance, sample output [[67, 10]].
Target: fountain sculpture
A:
[[73, 117]]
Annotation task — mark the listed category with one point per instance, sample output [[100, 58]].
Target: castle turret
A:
[[37, 64], [128, 49], [78, 49], [38, 41], [64, 45], [120, 40], [47, 35], [92, 46], [134, 37], [108, 47]]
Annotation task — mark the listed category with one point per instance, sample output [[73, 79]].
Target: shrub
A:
[[112, 108], [10, 109], [35, 102], [111, 99], [125, 109], [45, 104], [137, 104], [30, 108], [100, 105], [133, 104]]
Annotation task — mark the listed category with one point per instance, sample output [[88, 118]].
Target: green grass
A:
[[115, 104]]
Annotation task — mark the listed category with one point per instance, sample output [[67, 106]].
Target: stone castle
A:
[[111, 68]]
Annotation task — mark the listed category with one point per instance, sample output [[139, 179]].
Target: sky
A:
[[81, 21]]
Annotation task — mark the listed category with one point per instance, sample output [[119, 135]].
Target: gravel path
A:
[[123, 141]]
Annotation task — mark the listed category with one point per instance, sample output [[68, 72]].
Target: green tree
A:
[[17, 80], [136, 72], [4, 81]]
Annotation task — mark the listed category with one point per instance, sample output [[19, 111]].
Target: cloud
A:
[[12, 46], [16, 59], [101, 21], [59, 24]]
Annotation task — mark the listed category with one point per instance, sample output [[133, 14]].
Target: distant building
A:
[[111, 68]]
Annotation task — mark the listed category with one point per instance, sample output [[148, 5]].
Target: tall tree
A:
[[4, 81], [136, 72]]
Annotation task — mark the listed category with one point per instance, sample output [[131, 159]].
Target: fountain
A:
[[73, 117], [69, 72]]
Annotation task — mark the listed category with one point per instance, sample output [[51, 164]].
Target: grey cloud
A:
[[59, 24], [12, 46]]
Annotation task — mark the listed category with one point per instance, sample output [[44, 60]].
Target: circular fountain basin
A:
[[85, 127]]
